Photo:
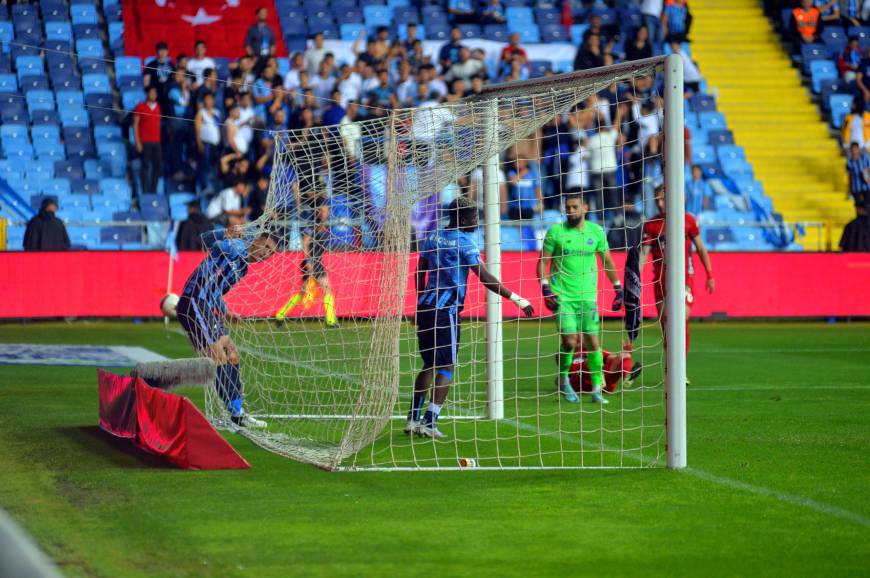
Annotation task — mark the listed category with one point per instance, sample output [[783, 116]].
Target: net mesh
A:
[[332, 375]]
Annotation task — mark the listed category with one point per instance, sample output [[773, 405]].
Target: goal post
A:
[[324, 329]]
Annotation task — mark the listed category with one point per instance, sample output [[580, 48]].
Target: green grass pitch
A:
[[779, 439]]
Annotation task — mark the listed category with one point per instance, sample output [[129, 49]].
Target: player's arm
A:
[[550, 299], [493, 284], [610, 271], [705, 260]]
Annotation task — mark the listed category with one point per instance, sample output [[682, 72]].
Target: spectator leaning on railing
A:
[[45, 232]]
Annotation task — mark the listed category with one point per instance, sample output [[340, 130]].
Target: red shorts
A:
[[659, 290], [616, 367]]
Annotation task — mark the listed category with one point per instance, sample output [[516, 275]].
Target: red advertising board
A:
[[131, 284]]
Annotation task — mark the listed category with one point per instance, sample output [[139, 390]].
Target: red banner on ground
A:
[[164, 424], [222, 24]]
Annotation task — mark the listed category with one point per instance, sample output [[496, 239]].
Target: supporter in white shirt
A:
[[577, 175], [314, 55], [602, 168], [323, 84], [199, 63], [226, 207], [291, 79]]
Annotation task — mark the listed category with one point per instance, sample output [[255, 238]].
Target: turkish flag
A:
[[222, 24]]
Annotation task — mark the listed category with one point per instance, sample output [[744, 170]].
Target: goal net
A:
[[324, 328]]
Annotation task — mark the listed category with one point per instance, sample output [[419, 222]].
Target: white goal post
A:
[[332, 376]]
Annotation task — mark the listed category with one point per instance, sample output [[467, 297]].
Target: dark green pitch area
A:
[[779, 483]]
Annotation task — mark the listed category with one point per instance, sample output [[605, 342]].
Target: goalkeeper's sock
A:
[[329, 305], [595, 359], [566, 357], [228, 383], [431, 415], [417, 406], [289, 306]]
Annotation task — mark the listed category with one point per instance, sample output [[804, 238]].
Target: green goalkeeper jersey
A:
[[574, 265]]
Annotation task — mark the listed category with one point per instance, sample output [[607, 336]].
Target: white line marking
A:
[[820, 507], [138, 354], [791, 350], [747, 387]]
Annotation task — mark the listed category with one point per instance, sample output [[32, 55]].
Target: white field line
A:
[[795, 500], [787, 350]]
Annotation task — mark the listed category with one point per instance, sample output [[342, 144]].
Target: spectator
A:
[[146, 136], [699, 195], [652, 17], [245, 74], [462, 11], [406, 85], [639, 47], [324, 83], [237, 141], [432, 81], [209, 85], [464, 68], [257, 197], [158, 73], [576, 178], [315, 54], [493, 13], [208, 138], [850, 12], [849, 61], [805, 23], [179, 110], [333, 112], [829, 11], [226, 207], [590, 54], [199, 64], [525, 197], [856, 233], [291, 79], [410, 38], [190, 231], [625, 229], [858, 167], [602, 168], [449, 53], [594, 23], [417, 57], [676, 20], [513, 50], [260, 39], [476, 85], [862, 79], [856, 128], [691, 75], [479, 54], [262, 91], [45, 232]]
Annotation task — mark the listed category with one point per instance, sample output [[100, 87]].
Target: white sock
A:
[[566, 381], [434, 408]]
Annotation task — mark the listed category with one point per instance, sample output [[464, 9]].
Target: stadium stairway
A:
[[769, 110]]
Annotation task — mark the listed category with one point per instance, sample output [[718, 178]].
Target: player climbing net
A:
[[333, 377]]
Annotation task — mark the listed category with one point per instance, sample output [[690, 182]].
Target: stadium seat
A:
[[519, 15], [54, 10], [126, 66], [702, 103], [40, 100], [88, 186], [72, 98], [577, 31], [470, 31], [29, 66], [841, 105], [350, 15], [711, 120], [403, 32], [437, 31], [553, 33], [69, 169], [350, 31], [406, 15], [703, 154], [90, 48], [720, 137], [496, 33], [58, 31], [57, 188], [829, 87], [115, 188], [71, 116], [154, 207], [86, 32], [528, 31], [735, 167], [729, 152], [28, 83], [93, 65], [537, 68], [834, 39], [83, 14], [810, 52], [107, 133], [377, 16], [822, 70], [8, 83], [96, 83]]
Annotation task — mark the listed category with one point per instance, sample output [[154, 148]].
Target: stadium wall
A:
[[131, 284]]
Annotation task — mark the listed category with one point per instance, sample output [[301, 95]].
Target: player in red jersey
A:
[[654, 242], [617, 367]]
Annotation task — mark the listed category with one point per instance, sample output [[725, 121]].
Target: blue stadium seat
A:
[[54, 10], [537, 68], [577, 31], [116, 32], [434, 14], [470, 31], [862, 32], [130, 83], [29, 66], [96, 83], [349, 15], [45, 132], [406, 15], [350, 31], [553, 33], [58, 31], [154, 207], [57, 188], [49, 150], [841, 105], [810, 52], [496, 32], [86, 32], [87, 237], [822, 70], [8, 83], [128, 66], [13, 132], [93, 65], [377, 16], [89, 186], [116, 188], [70, 169], [703, 154], [79, 149], [834, 39], [90, 48], [28, 83], [519, 15], [437, 31], [7, 34], [735, 167], [108, 133], [71, 116], [74, 98], [829, 87], [702, 103], [130, 99], [40, 100], [83, 14], [545, 16], [529, 32], [95, 169], [730, 152], [720, 137], [711, 120]]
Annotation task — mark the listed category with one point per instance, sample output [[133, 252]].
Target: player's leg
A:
[[425, 321], [446, 350], [590, 328], [569, 328], [229, 380], [293, 301], [328, 300]]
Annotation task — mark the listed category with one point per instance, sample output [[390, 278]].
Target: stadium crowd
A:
[[217, 136]]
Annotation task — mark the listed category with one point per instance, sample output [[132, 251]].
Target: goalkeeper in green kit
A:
[[568, 272]]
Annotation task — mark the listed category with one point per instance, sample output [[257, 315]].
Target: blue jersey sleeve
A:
[[209, 238], [469, 253]]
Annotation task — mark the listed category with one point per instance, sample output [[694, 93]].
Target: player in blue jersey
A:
[[201, 308], [445, 259]]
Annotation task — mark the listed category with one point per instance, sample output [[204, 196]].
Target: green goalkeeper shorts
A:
[[579, 317]]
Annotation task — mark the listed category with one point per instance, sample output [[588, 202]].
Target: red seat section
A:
[[221, 24]]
